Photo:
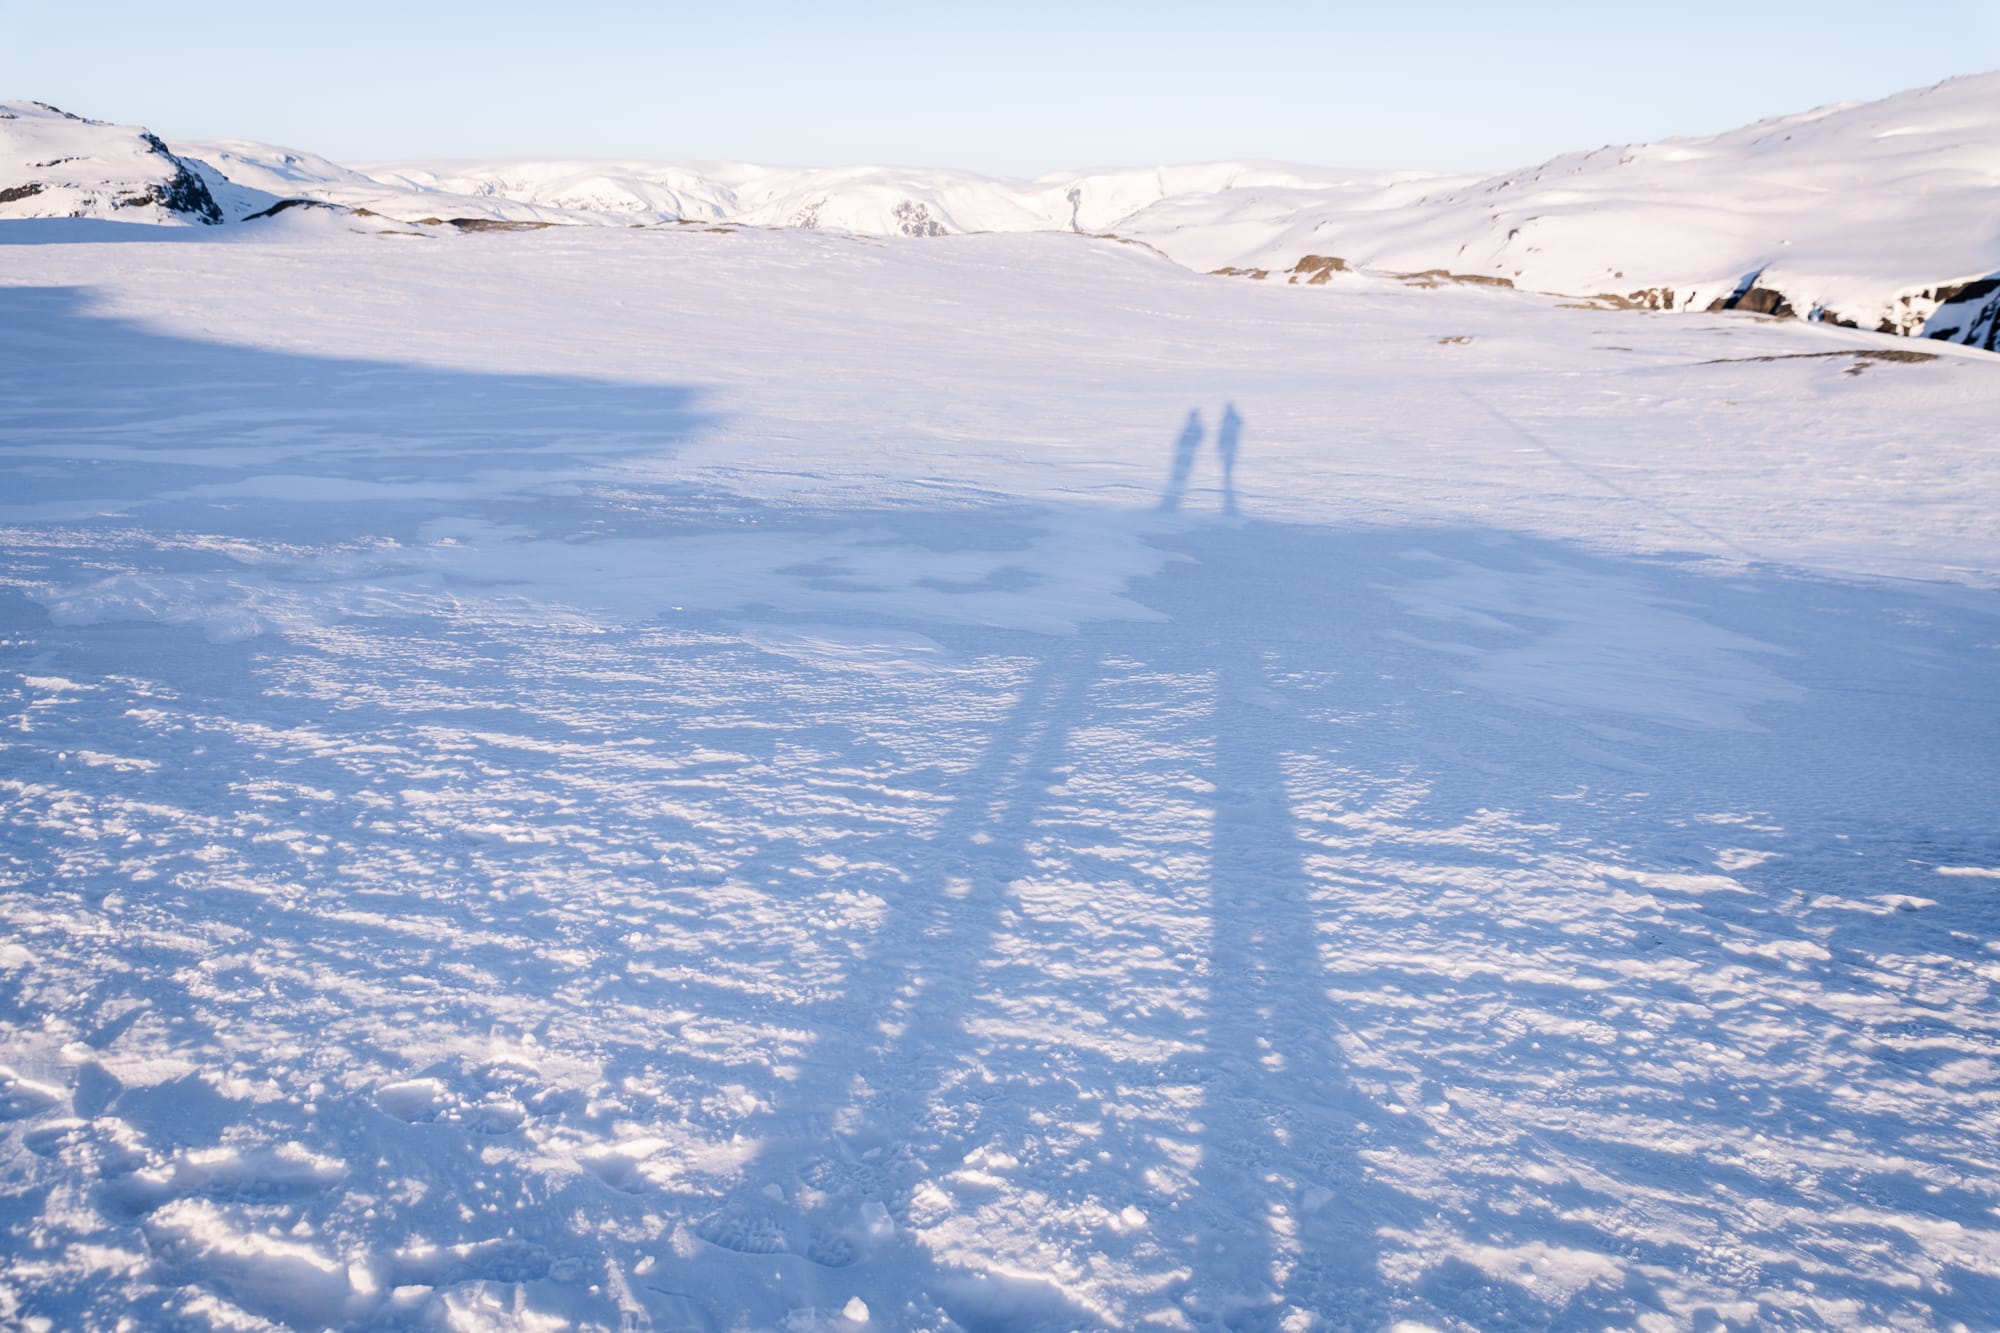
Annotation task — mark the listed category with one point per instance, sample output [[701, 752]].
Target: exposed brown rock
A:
[[1317, 269], [1755, 300], [1437, 277]]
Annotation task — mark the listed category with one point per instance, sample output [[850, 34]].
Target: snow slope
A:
[[1857, 213], [684, 779]]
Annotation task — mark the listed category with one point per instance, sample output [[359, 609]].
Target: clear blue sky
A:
[[1020, 88]]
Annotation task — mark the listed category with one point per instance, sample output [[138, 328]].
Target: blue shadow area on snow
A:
[[369, 445], [98, 231]]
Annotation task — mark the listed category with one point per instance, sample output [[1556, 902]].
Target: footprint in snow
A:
[[427, 1101], [415, 1101], [742, 1231], [830, 1243]]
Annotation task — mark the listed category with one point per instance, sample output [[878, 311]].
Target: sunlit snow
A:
[[684, 779]]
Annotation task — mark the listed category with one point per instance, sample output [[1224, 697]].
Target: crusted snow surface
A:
[[631, 779]]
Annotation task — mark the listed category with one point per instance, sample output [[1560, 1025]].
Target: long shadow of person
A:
[[1184, 449], [1226, 437]]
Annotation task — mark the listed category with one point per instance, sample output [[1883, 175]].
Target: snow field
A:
[[682, 781]]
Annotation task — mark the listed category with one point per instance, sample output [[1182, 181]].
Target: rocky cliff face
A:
[[1967, 312]]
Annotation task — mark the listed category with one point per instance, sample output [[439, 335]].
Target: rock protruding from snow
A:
[[1967, 312]]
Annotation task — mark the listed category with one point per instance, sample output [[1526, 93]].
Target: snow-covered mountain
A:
[[1882, 215], [54, 164], [870, 200], [1879, 215]]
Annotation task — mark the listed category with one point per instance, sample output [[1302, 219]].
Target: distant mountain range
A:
[[1880, 215]]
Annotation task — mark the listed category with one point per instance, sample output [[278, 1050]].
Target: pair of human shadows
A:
[[1000, 806], [1271, 1071], [1295, 1088], [1228, 436]]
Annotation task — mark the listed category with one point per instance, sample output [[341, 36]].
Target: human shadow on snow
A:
[[1281, 919], [1276, 1090], [1228, 437]]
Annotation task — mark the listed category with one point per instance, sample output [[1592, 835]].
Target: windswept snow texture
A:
[[676, 780]]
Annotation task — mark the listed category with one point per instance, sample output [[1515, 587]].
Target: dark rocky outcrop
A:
[[286, 205], [1961, 312], [71, 166], [1764, 301], [1967, 312], [183, 192], [1752, 298]]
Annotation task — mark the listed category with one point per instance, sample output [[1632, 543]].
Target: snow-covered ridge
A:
[[54, 164], [871, 200], [1882, 215]]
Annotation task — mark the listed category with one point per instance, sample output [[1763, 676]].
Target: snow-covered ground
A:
[[1875, 215], [689, 779]]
